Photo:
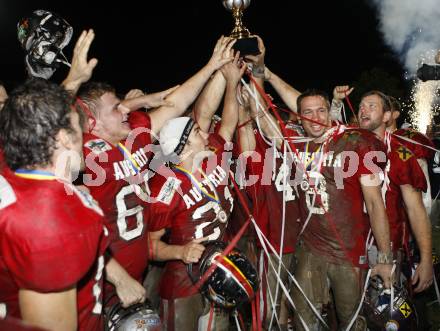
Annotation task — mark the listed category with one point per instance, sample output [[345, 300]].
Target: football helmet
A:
[[377, 308], [232, 283], [43, 35], [138, 317]]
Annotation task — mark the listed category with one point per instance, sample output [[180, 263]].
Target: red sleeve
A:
[[139, 119], [48, 249], [47, 260], [407, 170], [421, 148]]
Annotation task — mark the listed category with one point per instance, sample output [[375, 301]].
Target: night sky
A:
[[153, 45]]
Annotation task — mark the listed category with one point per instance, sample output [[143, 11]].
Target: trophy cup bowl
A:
[[245, 44]]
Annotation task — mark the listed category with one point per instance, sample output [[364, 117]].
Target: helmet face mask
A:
[[377, 308], [43, 35], [232, 283], [138, 317]]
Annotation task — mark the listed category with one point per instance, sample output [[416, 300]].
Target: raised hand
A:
[[233, 71], [258, 60], [134, 93], [81, 68], [222, 52], [340, 92]]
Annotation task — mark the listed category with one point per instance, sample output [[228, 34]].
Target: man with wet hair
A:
[[52, 235]]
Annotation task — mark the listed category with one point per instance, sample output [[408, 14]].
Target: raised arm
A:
[[209, 101], [287, 93], [267, 122], [233, 73], [135, 99], [339, 94], [246, 136], [186, 93], [81, 69]]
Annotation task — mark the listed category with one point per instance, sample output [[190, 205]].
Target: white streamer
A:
[[415, 142], [361, 302], [282, 232], [236, 321], [264, 241]]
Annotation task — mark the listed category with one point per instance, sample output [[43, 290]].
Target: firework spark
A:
[[423, 96]]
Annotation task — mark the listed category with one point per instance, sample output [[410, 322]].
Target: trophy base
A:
[[247, 46]]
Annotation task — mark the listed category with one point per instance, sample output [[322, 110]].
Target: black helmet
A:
[[233, 282], [138, 317], [378, 313], [43, 35]]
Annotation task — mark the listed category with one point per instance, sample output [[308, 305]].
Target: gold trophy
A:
[[245, 44]]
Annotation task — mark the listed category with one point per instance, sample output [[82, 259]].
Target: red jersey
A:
[[115, 177], [267, 195], [331, 195], [13, 324], [419, 150], [51, 240], [191, 206], [239, 214], [402, 169]]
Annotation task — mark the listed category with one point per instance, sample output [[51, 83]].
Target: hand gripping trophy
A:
[[246, 44]]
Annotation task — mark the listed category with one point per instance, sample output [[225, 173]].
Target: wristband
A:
[[384, 258], [258, 71]]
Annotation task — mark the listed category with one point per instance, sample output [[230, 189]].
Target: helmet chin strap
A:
[[63, 60]]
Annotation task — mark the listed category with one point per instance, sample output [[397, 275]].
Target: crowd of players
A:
[[93, 188]]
